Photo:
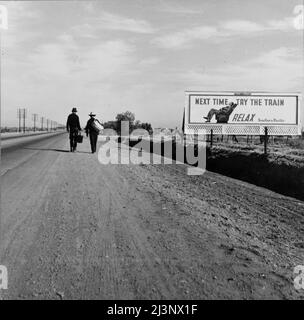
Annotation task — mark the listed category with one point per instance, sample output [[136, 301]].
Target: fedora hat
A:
[[74, 110], [92, 114]]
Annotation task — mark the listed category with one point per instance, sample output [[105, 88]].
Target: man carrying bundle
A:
[[92, 128]]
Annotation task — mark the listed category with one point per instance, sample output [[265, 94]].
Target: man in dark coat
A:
[[92, 131], [73, 126]]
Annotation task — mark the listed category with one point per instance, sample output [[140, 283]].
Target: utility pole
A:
[[24, 117], [21, 113], [19, 119], [42, 121], [35, 118]]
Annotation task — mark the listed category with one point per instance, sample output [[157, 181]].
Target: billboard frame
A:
[[286, 129]]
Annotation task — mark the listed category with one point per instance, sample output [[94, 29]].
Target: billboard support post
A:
[[19, 117], [265, 140], [211, 138]]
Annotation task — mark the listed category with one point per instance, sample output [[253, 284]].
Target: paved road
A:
[[72, 228], [14, 135]]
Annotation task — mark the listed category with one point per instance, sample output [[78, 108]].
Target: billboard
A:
[[242, 113]]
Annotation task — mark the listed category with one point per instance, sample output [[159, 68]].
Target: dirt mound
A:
[[280, 172]]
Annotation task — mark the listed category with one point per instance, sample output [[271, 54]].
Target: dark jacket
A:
[[73, 122]]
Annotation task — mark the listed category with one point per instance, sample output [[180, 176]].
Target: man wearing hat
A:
[[92, 130], [73, 126], [222, 115]]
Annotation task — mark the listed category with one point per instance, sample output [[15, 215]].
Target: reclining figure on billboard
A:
[[222, 115]]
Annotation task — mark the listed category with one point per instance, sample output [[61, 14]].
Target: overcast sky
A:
[[141, 55]]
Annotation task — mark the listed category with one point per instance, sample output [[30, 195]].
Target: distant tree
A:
[[147, 126], [133, 124], [125, 116], [137, 124], [110, 125]]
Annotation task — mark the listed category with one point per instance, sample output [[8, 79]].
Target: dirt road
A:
[[72, 228]]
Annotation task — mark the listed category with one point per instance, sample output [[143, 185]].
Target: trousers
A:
[[93, 141], [73, 141]]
